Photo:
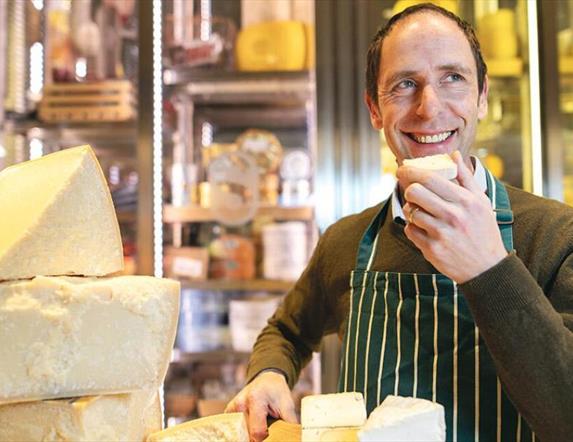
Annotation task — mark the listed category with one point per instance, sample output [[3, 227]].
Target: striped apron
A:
[[413, 335]]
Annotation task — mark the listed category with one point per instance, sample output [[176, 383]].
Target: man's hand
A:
[[267, 395], [453, 225]]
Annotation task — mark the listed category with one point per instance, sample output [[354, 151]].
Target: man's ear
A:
[[482, 99], [375, 114]]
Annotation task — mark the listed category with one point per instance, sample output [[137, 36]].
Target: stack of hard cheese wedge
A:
[[82, 353]]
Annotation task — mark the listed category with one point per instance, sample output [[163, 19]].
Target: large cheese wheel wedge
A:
[[124, 417], [228, 427], [57, 218], [74, 336], [403, 419], [441, 164]]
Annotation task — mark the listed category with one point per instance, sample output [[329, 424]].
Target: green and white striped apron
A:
[[413, 335]]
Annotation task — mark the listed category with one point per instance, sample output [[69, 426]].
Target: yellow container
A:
[[272, 46], [450, 5], [497, 34]]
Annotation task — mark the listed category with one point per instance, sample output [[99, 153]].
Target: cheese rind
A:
[[333, 410], [58, 218], [124, 417], [403, 419], [227, 427], [441, 164], [72, 336]]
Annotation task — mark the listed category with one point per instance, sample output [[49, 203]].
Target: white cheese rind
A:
[[72, 336], [124, 417], [404, 419], [227, 427], [58, 218], [333, 410], [441, 164]]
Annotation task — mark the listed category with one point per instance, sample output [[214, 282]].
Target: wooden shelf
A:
[[172, 214], [182, 357], [251, 285], [226, 87]]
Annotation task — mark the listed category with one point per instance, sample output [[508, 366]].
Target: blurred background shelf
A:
[[205, 86], [172, 214], [253, 285], [226, 355]]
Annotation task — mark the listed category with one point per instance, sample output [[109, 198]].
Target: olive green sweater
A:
[[523, 306]]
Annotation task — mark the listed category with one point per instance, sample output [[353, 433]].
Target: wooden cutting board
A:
[[281, 431]]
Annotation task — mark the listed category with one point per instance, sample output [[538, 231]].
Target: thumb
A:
[[465, 176]]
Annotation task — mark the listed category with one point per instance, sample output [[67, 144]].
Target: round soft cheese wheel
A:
[[441, 164]]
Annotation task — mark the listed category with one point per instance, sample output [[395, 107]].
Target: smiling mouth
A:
[[431, 139]]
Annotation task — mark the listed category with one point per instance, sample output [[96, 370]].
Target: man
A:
[[448, 299]]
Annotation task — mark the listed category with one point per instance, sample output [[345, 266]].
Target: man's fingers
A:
[[465, 175], [436, 184], [287, 410], [236, 405], [257, 421]]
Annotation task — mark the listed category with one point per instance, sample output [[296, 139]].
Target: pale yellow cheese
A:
[[74, 336], [405, 419], [333, 410], [441, 164], [338, 434], [124, 417], [228, 427], [57, 218]]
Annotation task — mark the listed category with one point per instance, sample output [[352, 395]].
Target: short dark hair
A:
[[375, 48]]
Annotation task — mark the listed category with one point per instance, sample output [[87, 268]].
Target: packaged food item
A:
[[232, 257], [272, 46]]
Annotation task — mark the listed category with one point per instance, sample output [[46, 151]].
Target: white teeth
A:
[[432, 138]]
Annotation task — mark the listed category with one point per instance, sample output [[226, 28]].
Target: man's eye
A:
[[454, 77], [406, 84]]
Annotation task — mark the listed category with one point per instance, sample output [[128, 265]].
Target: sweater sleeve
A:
[[529, 335], [296, 328]]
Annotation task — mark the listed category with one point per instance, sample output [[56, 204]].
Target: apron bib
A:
[[413, 335]]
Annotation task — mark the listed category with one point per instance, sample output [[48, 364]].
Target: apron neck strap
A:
[[369, 241], [497, 194], [500, 202]]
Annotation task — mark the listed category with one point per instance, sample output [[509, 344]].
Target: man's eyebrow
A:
[[455, 67]]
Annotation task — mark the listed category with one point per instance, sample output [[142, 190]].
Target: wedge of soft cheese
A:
[[323, 413], [57, 218], [341, 434], [333, 410], [441, 164], [228, 427], [405, 419], [124, 417], [74, 336]]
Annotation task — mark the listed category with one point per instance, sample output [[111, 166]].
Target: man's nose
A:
[[429, 103]]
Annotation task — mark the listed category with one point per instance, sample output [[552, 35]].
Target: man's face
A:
[[428, 101]]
